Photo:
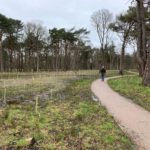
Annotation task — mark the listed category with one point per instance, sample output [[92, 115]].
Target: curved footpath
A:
[[133, 119]]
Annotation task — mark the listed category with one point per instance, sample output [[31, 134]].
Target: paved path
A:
[[133, 119]]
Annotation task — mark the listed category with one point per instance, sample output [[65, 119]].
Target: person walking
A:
[[102, 73]]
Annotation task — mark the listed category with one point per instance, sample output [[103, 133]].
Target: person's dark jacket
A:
[[103, 71]]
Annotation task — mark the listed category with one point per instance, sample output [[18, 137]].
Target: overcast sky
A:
[[61, 13]]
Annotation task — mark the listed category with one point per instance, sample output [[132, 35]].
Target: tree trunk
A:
[[22, 62], [141, 42], [103, 56], [37, 63], [18, 62], [29, 65], [10, 60], [146, 77], [1, 57], [65, 57], [121, 70]]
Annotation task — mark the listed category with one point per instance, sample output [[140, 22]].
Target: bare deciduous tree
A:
[[101, 20]]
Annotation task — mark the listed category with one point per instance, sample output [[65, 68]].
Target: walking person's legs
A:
[[102, 77]]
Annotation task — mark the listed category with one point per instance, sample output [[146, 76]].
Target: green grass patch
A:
[[71, 121], [112, 73], [132, 88]]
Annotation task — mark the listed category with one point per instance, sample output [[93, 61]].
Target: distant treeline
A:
[[31, 47]]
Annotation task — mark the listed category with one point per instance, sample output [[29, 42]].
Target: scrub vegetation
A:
[[69, 120]]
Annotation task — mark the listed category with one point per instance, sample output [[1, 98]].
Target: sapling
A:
[[17, 75], [24, 84], [37, 117], [4, 92], [51, 93], [32, 78], [36, 104]]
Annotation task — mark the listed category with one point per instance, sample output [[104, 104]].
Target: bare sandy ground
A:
[[133, 119]]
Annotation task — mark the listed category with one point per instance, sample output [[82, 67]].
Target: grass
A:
[[71, 120], [20, 87], [132, 88], [111, 73], [27, 87]]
